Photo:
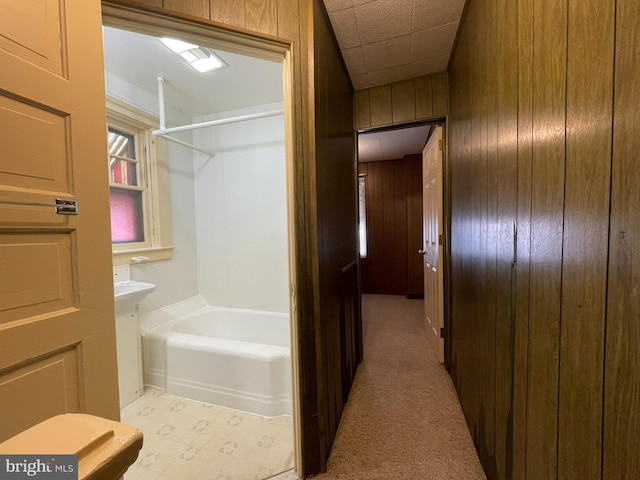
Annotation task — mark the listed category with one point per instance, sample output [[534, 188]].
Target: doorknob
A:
[[422, 252]]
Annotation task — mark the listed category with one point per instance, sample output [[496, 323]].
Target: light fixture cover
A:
[[200, 58], [176, 45]]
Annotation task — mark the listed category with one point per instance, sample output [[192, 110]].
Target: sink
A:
[[129, 294]]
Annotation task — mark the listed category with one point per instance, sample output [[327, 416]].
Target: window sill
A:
[[142, 255]]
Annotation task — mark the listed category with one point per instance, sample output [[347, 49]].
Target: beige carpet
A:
[[403, 419]]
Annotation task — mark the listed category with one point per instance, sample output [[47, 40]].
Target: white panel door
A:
[[432, 249]]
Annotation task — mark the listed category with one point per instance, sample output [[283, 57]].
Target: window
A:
[[138, 191], [362, 224], [125, 191]]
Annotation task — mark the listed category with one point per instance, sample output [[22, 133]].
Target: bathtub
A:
[[234, 358]]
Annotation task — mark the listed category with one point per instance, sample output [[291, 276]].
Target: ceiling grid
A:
[[385, 41]]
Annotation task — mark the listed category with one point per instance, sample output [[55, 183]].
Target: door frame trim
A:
[[446, 192], [242, 42]]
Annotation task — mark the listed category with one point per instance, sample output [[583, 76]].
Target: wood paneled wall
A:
[[304, 24], [415, 267], [482, 205], [338, 338], [393, 199], [545, 332], [422, 98]]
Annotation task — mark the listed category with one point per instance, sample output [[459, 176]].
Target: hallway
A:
[[403, 419]]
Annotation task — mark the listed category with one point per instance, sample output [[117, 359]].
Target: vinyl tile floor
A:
[[189, 440]]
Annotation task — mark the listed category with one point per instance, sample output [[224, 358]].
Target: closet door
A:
[[57, 340]]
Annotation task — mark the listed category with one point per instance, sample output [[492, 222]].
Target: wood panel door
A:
[[57, 340], [433, 228]]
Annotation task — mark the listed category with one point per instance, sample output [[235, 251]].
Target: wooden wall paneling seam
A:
[[507, 104], [197, 8], [388, 215], [586, 224], [424, 97], [622, 351], [415, 282], [549, 107], [261, 16], [403, 101], [363, 113], [439, 82], [409, 209], [232, 12], [380, 105], [490, 295], [523, 225], [400, 225]]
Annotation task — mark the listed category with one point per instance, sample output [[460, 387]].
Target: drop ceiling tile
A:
[[389, 75], [354, 59], [344, 26], [434, 13], [334, 5], [435, 42], [383, 19], [431, 65], [387, 54], [360, 81]]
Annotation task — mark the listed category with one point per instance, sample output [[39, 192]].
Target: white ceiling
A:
[[140, 59], [392, 144], [248, 81], [384, 41]]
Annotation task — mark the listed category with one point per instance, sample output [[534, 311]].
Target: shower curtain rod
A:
[[164, 132]]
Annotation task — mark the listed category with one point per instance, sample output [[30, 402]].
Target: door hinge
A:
[[441, 239], [440, 144], [443, 332]]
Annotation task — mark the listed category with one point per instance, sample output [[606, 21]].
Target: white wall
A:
[[176, 279], [241, 213]]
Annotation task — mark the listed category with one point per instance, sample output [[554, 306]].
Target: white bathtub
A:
[[229, 357]]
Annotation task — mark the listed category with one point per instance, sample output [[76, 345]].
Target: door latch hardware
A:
[[66, 207], [63, 206]]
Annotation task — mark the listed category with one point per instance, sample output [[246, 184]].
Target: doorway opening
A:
[[396, 206], [200, 180]]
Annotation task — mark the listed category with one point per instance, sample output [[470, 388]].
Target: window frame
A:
[[153, 178]]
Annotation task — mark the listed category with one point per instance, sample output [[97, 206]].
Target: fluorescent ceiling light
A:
[[207, 64], [189, 56], [177, 46], [201, 58]]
